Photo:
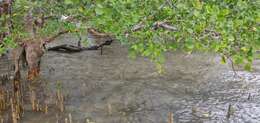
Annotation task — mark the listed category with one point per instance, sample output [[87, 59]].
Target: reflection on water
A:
[[115, 89]]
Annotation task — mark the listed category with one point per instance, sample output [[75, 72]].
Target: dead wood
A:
[[100, 39], [65, 48]]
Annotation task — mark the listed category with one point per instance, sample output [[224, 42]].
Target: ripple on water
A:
[[229, 90]]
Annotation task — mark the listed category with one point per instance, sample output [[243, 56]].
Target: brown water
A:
[[115, 89]]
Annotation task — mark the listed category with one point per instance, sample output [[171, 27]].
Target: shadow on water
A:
[[115, 89]]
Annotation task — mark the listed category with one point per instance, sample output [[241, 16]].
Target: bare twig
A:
[[233, 67], [138, 27], [164, 25], [169, 2]]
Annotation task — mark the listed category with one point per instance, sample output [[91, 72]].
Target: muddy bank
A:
[[113, 88]]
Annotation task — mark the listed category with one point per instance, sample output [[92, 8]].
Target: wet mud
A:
[[113, 88]]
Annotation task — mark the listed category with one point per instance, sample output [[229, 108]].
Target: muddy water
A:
[[113, 88]]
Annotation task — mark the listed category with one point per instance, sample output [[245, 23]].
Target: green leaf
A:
[[238, 59], [231, 38], [248, 67], [68, 2], [223, 60], [189, 44]]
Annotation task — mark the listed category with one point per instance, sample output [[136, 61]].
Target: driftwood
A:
[[99, 38], [66, 48]]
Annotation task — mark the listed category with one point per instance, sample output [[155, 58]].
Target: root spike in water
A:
[[14, 115], [230, 111], [60, 101], [46, 109], [33, 100], [249, 96], [58, 119], [1, 119], [70, 118], [109, 109], [66, 120], [170, 117], [38, 106]]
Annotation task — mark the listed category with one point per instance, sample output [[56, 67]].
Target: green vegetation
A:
[[227, 27]]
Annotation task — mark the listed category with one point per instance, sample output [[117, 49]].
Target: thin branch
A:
[[164, 25], [170, 4], [234, 70], [233, 67], [137, 27], [51, 17], [140, 25]]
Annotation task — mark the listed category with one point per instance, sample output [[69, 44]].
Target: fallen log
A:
[[66, 48], [100, 39]]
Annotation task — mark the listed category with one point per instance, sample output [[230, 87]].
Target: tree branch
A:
[[164, 25]]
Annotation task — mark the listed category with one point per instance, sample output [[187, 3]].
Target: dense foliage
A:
[[227, 27]]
